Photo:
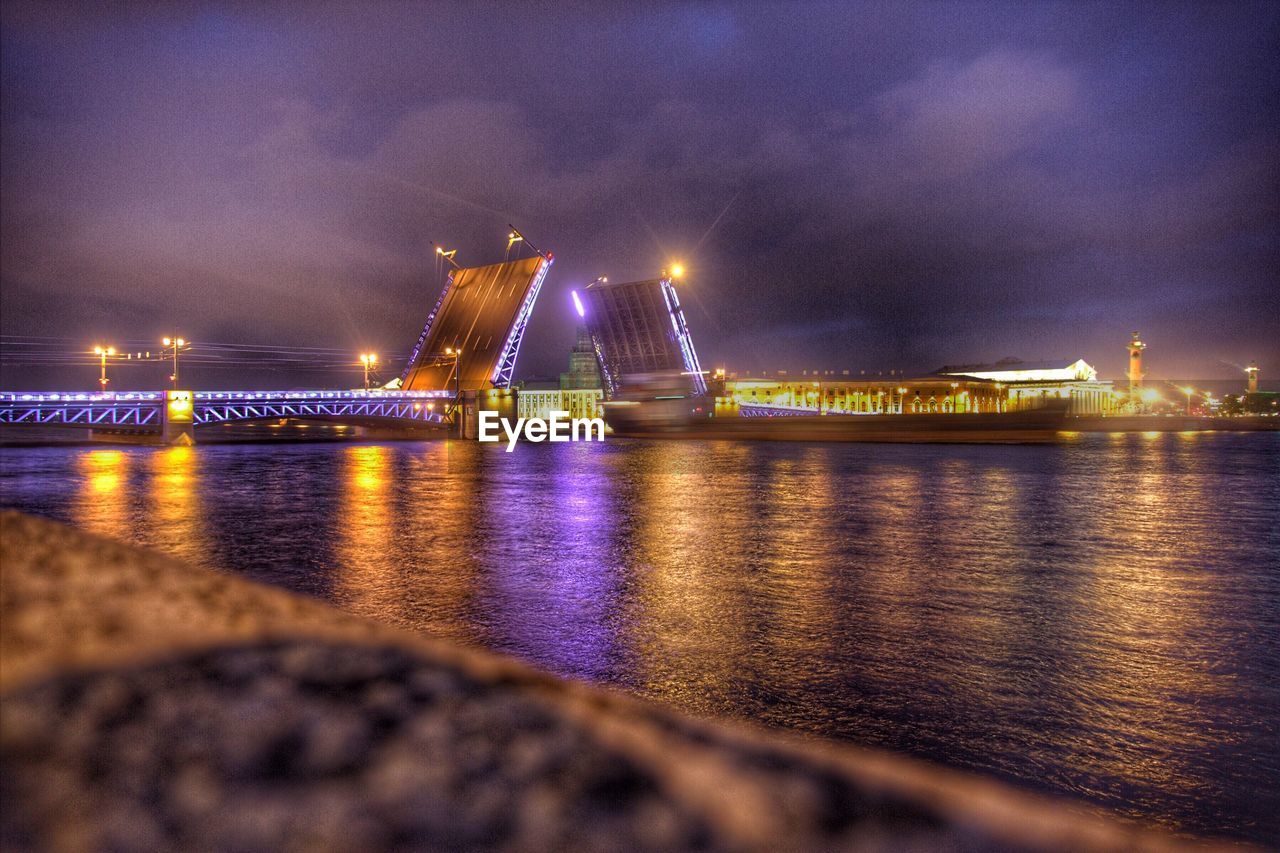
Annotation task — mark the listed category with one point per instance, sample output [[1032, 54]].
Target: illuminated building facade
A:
[[1028, 384], [638, 329], [861, 397], [535, 402], [1006, 386]]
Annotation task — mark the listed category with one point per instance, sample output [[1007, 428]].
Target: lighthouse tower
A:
[[1252, 371], [1136, 346]]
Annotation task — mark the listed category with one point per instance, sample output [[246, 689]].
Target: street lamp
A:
[[368, 359], [1188, 391], [102, 353], [513, 237], [448, 256], [457, 383], [677, 270], [457, 376], [954, 386], [177, 345]]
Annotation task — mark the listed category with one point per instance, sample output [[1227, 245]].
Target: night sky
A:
[[850, 186]]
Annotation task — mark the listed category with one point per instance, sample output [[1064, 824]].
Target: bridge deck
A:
[[483, 311]]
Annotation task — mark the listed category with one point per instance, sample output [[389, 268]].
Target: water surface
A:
[[1099, 619]]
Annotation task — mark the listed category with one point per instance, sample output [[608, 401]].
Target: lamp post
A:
[[954, 386], [449, 254], [177, 345], [457, 384], [368, 359], [1188, 391], [102, 353]]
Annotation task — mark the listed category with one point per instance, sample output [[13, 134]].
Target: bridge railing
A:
[[357, 394], [145, 408], [81, 408], [81, 396]]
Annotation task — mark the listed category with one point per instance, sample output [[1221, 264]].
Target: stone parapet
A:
[[150, 704]]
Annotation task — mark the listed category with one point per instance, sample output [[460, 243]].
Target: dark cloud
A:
[[865, 186]]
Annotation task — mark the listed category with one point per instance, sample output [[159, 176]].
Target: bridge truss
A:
[[145, 409]]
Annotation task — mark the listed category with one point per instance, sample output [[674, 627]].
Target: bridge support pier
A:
[[500, 400], [178, 419]]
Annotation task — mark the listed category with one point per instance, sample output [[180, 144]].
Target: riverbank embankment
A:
[[151, 704]]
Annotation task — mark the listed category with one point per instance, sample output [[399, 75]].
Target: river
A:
[[1099, 619]]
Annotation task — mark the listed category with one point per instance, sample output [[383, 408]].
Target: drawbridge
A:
[[472, 336]]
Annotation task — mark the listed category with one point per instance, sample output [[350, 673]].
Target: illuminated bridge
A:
[[468, 346], [145, 411], [480, 317], [639, 332]]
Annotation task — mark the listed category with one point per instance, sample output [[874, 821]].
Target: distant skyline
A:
[[864, 186]]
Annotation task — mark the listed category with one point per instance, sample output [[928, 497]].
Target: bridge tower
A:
[[1252, 371], [177, 419], [1136, 346]]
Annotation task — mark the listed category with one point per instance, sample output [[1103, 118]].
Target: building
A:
[[584, 371], [540, 399], [1007, 385], [1028, 384], [579, 391], [846, 396]]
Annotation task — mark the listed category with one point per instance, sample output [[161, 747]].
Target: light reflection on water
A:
[[1098, 618]]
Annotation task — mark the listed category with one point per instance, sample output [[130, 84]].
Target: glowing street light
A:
[[177, 345], [677, 270], [448, 256], [369, 360], [102, 353], [1188, 391]]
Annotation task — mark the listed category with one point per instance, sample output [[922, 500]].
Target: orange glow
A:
[[101, 504], [179, 406]]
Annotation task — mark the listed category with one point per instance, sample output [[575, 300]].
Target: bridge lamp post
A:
[[368, 359], [449, 255], [177, 345], [102, 353], [457, 382]]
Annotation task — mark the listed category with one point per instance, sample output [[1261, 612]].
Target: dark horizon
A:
[[866, 188]]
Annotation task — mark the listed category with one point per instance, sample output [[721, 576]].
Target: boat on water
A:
[[672, 416]]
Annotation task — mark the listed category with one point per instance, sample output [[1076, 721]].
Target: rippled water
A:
[[1100, 618]]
